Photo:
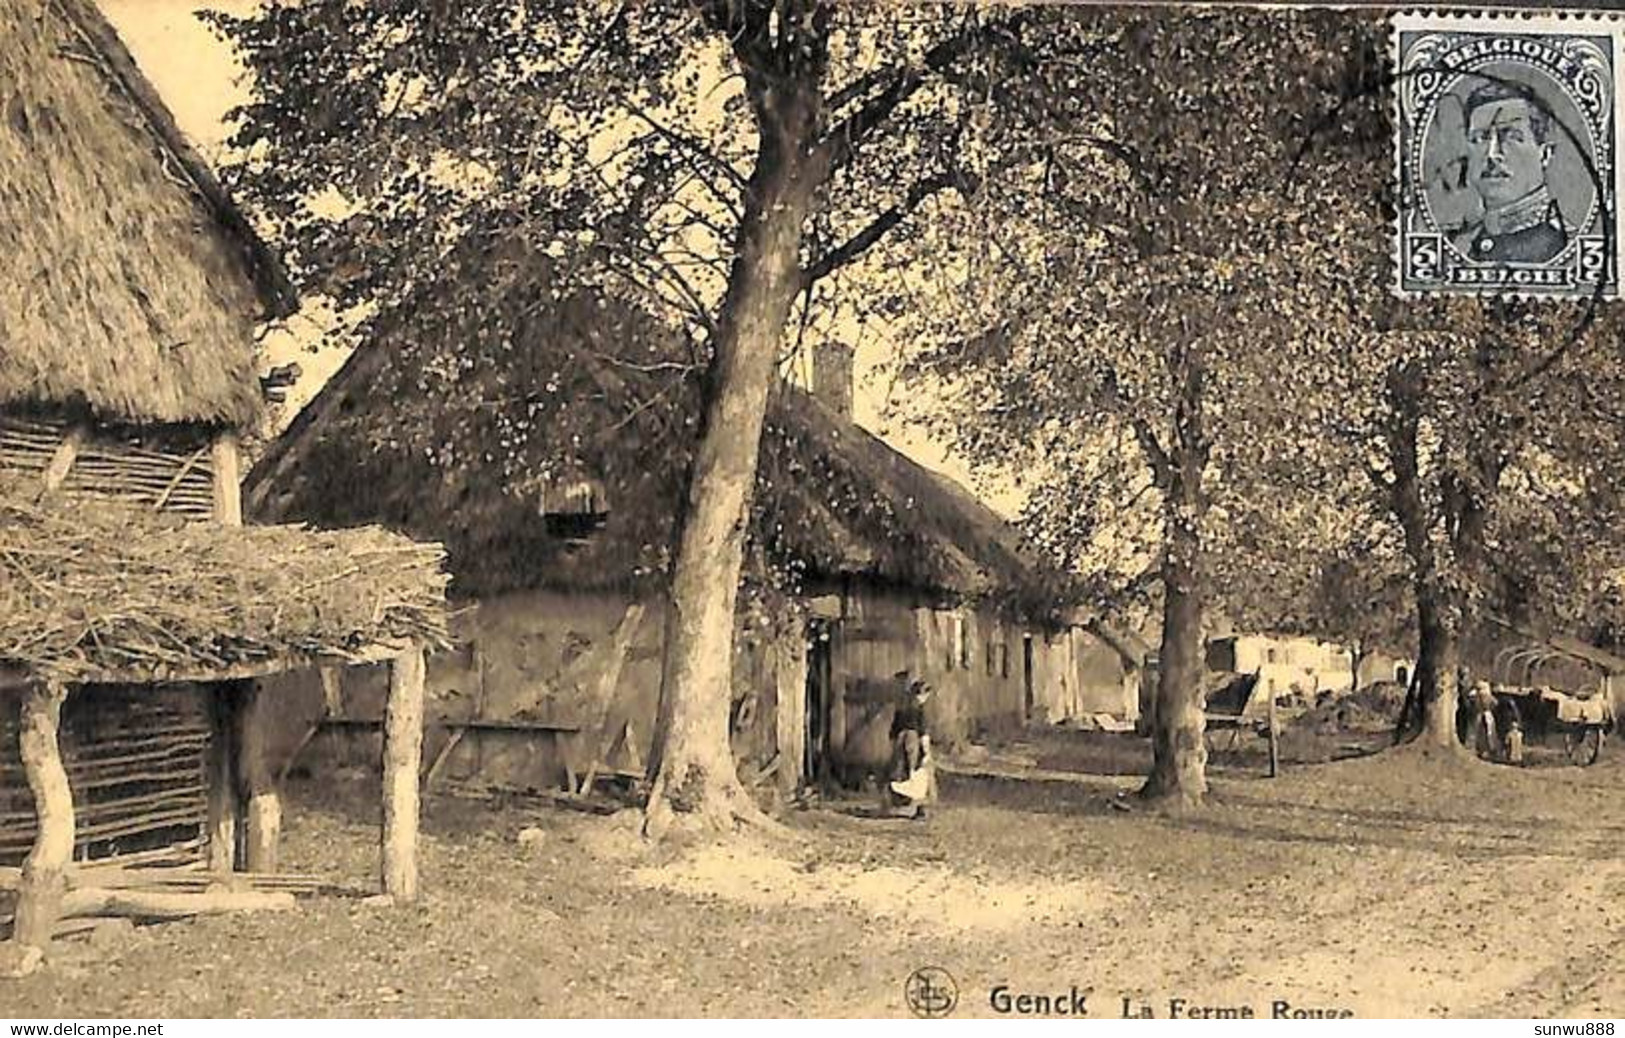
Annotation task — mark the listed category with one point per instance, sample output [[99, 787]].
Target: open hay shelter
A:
[[138, 615]]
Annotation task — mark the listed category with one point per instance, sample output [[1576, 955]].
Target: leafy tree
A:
[[1314, 557], [1232, 340], [723, 158], [1480, 426], [1487, 445], [1156, 266], [1362, 602]]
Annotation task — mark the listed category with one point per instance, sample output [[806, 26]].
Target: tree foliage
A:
[[1225, 301], [1145, 278], [719, 160]]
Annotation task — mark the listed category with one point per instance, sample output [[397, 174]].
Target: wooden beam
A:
[[790, 716], [162, 904], [67, 452], [224, 800], [380, 652], [228, 481], [332, 691], [1275, 739], [403, 757], [45, 871], [262, 802], [452, 741], [611, 723], [104, 875]]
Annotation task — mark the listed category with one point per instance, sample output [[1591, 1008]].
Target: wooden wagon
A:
[[1226, 711], [1547, 715], [1553, 690]]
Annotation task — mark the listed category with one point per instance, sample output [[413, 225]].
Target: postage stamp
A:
[[1506, 149]]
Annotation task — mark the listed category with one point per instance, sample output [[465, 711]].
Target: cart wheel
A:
[[1583, 747]]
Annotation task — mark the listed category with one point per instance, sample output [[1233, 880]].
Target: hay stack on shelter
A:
[[548, 452], [136, 612]]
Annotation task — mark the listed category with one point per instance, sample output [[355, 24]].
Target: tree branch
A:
[[691, 147], [1162, 466], [840, 144], [862, 241]]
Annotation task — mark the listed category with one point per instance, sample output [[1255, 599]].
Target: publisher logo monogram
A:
[[931, 992]]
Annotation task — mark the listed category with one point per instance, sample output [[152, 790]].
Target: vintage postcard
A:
[[807, 509]]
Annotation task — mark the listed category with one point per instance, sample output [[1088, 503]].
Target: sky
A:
[[200, 80]]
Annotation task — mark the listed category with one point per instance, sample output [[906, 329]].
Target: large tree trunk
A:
[[1438, 620], [692, 762], [1178, 752], [1178, 776], [1437, 659]]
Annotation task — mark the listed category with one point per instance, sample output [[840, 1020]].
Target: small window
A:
[[992, 659], [1004, 660], [573, 512], [575, 527], [1269, 656], [962, 639]]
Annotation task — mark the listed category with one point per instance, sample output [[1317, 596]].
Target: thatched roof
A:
[[469, 444], [92, 589], [130, 284]]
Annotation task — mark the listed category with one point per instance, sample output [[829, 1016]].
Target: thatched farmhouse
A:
[[136, 612], [549, 458]]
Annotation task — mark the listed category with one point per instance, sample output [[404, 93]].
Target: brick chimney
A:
[[832, 377]]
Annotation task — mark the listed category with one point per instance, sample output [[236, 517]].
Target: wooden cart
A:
[[1547, 715]]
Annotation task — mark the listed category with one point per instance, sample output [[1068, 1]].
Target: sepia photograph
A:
[[810, 509]]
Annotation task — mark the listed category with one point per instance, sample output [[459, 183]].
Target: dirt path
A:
[[1392, 886]]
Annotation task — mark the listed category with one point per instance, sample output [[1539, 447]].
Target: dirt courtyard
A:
[[1392, 885]]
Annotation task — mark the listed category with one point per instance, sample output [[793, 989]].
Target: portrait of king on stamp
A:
[[1507, 155]]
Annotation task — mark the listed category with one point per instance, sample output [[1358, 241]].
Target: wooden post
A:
[[67, 452], [225, 797], [45, 871], [262, 803], [403, 756], [224, 809], [790, 680], [1275, 740], [228, 489], [332, 692]]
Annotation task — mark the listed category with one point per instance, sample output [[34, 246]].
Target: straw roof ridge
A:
[[99, 590], [271, 281], [133, 282]]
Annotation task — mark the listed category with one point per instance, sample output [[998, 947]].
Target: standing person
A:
[[913, 774], [1509, 722], [1484, 729]]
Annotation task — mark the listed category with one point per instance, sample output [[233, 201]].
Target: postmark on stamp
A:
[[1507, 155]]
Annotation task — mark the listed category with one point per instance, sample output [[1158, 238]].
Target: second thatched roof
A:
[[552, 453], [130, 284]]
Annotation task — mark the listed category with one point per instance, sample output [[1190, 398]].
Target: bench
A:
[[458, 728]]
